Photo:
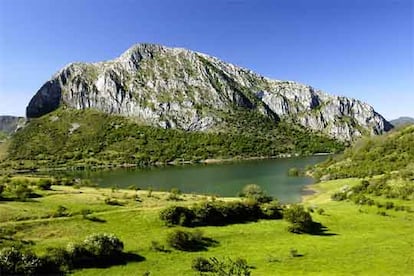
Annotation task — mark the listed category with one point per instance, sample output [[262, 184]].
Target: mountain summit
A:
[[179, 88]]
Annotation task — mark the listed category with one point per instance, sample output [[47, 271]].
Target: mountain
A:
[[186, 90], [402, 121], [9, 124]]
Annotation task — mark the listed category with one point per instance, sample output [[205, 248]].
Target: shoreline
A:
[[307, 192], [159, 164]]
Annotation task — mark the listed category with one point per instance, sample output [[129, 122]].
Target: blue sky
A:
[[357, 48]]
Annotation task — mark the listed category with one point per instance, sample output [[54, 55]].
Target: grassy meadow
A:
[[358, 241]]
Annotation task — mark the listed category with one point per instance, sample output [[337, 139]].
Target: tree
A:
[[255, 192], [301, 221]]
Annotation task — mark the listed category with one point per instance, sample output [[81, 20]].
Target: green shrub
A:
[[61, 211], [218, 213], [113, 201], [239, 267], [339, 196], [389, 205], [293, 172], [177, 215], [272, 210], [223, 213], [201, 264], [20, 190], [15, 262], [44, 184], [103, 245], [95, 250], [186, 240]]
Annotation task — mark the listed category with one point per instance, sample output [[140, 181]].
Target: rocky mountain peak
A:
[[179, 88]]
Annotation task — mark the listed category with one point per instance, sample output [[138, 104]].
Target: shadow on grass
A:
[[95, 219], [202, 245], [318, 229], [120, 259]]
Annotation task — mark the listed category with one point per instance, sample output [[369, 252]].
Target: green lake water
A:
[[224, 179]]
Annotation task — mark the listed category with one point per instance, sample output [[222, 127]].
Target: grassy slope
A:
[[365, 243], [102, 139], [374, 156]]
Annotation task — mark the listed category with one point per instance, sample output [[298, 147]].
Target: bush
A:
[[271, 210], [61, 211], [220, 213], [95, 250], [103, 245], [113, 202], [293, 172], [389, 205], [186, 240], [239, 267], [15, 262], [339, 196], [362, 200], [20, 190], [44, 184], [177, 215], [201, 264], [223, 213]]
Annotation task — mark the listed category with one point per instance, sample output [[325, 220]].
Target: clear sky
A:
[[357, 48]]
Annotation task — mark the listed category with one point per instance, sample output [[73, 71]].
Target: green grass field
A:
[[358, 240]]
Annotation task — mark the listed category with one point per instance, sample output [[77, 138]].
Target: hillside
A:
[[69, 137], [374, 156], [181, 89]]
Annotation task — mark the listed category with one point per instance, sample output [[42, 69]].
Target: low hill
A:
[[374, 156], [402, 121], [68, 137]]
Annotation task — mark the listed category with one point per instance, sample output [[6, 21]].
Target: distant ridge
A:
[[9, 124], [402, 121]]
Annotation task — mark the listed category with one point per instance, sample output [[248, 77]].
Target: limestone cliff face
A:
[[178, 88]]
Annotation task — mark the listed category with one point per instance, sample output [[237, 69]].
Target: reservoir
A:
[[221, 179]]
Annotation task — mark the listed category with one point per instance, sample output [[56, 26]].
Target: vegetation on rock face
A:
[[86, 138]]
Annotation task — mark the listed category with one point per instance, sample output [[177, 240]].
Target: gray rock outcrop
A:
[[9, 124], [178, 88]]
